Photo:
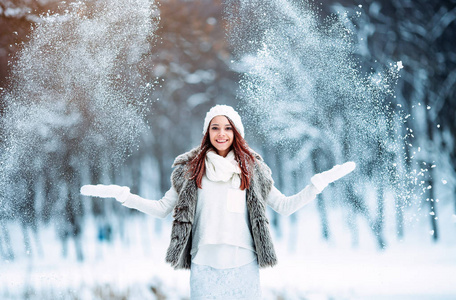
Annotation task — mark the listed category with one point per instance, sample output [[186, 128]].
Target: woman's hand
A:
[[321, 180], [121, 193]]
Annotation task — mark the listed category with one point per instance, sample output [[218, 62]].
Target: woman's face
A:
[[221, 135]]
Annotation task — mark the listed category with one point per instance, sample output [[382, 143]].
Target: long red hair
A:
[[242, 154]]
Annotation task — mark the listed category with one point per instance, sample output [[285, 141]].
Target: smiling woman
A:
[[219, 195], [221, 134]]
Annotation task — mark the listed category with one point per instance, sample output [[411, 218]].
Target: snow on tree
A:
[[74, 103], [309, 97]]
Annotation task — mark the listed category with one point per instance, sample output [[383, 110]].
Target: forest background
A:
[[186, 68]]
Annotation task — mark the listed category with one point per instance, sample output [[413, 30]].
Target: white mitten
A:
[[121, 193], [321, 180]]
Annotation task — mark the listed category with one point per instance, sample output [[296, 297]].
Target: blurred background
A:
[[102, 91]]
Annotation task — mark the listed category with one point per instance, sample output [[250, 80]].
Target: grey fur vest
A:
[[178, 254]]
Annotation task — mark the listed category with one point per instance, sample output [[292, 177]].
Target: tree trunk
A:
[[379, 222], [399, 219], [5, 243], [432, 209], [279, 184], [323, 216], [319, 164], [430, 181]]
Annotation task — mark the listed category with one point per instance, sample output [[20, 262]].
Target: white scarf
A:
[[219, 168]]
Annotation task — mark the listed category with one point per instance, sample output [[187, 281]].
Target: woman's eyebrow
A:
[[215, 124]]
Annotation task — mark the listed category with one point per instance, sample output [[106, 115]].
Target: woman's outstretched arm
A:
[[288, 205], [158, 209]]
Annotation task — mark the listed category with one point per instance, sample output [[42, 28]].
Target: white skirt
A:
[[234, 283]]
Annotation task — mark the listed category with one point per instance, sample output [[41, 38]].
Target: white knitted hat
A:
[[227, 111]]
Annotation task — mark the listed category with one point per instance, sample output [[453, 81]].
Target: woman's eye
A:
[[228, 128], [214, 128]]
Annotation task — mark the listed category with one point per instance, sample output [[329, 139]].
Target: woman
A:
[[219, 195]]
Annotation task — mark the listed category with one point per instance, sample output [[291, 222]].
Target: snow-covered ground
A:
[[133, 267]]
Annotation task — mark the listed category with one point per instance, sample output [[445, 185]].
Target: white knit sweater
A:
[[221, 235]]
